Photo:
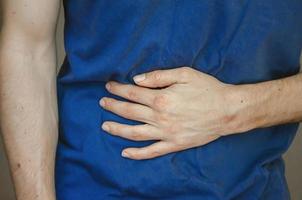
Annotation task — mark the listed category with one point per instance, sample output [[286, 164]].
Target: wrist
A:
[[243, 111]]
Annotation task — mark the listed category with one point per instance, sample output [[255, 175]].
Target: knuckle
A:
[[172, 128], [128, 110], [185, 73], [180, 142], [162, 118], [114, 130], [137, 155], [160, 101], [186, 68], [131, 94], [157, 75], [155, 153], [135, 135]]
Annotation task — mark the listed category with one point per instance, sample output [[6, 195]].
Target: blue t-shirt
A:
[[236, 41]]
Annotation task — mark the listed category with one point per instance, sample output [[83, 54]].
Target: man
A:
[[168, 99]]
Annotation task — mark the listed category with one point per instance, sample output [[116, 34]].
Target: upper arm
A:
[[30, 19]]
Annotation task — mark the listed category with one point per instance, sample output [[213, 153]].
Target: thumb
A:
[[162, 78]]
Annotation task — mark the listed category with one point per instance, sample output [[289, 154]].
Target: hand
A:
[[181, 108]]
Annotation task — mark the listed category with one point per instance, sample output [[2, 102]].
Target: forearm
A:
[[28, 111], [268, 103]]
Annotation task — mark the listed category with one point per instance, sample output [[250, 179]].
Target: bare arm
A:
[[268, 103], [28, 103], [194, 109]]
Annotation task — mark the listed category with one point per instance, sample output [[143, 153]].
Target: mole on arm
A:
[[18, 165]]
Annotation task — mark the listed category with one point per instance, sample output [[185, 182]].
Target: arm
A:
[[28, 104], [268, 103], [192, 109]]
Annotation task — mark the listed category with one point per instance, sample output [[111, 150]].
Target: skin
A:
[[28, 102], [183, 108]]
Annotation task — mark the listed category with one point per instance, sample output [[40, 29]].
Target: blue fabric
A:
[[237, 41]]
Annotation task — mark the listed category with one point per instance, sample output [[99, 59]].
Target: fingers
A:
[[133, 132], [155, 99], [163, 78], [132, 92], [154, 150], [128, 110]]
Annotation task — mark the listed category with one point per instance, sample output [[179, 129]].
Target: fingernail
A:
[[139, 78], [105, 126], [125, 154], [102, 102], [107, 86]]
